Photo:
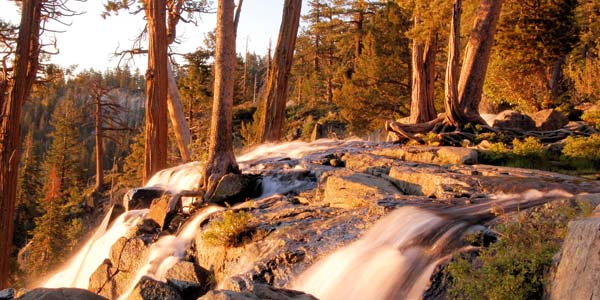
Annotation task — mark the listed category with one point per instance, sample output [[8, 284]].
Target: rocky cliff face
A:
[[311, 205]]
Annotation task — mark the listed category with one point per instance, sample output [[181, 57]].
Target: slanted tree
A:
[[472, 76], [221, 159], [24, 73], [271, 123]]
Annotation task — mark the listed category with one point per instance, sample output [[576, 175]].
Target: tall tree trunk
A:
[[177, 116], [220, 151], [99, 146], [451, 104], [422, 108], [236, 18], [25, 70], [477, 57], [271, 124], [155, 158]]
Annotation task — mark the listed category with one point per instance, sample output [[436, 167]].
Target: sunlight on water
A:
[[78, 271], [168, 250]]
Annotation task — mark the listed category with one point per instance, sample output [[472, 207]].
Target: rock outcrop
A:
[[259, 292], [60, 294], [578, 272], [549, 119], [509, 119]]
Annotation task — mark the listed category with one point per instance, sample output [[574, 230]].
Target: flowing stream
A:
[[392, 260]]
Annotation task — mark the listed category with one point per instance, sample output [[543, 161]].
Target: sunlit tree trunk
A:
[[477, 56], [271, 123], [177, 116], [221, 159], [422, 107], [451, 105], [99, 146], [24, 74], [155, 142]]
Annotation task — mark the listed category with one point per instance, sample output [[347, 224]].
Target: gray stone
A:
[[162, 209], [457, 156], [350, 190], [509, 119], [7, 294], [440, 185], [549, 119], [60, 294], [141, 198], [233, 188], [150, 289], [114, 275], [259, 292], [191, 280], [578, 272]]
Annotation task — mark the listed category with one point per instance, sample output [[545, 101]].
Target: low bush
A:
[[517, 265], [231, 230]]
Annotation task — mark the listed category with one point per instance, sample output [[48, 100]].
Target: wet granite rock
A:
[[150, 289], [191, 280], [60, 294], [578, 272], [259, 292], [349, 189], [549, 119], [7, 294], [141, 198]]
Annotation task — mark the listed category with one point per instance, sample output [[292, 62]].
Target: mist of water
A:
[[79, 269], [169, 250], [397, 256]]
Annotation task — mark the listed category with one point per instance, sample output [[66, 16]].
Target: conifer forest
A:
[[516, 82]]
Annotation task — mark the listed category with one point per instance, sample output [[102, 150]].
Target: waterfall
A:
[[397, 256], [79, 269], [168, 250]]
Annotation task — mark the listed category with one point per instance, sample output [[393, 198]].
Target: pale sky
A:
[[90, 41]]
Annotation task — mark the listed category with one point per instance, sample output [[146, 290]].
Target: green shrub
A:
[[491, 137], [530, 147], [587, 148], [592, 117], [496, 154], [231, 230], [517, 265]]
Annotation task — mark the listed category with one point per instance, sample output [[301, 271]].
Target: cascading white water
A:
[[185, 177], [396, 258], [168, 250], [372, 267], [78, 270]]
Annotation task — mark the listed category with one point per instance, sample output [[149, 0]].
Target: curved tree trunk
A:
[[477, 56], [99, 146], [177, 116], [422, 107], [25, 71], [271, 123], [220, 151], [155, 142], [451, 104]]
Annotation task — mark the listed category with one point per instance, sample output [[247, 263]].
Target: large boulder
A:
[[431, 155], [549, 119], [350, 190], [259, 292], [114, 276], [150, 289], [60, 294], [191, 280], [164, 208], [431, 182], [141, 198], [233, 188], [510, 119], [578, 272], [7, 294]]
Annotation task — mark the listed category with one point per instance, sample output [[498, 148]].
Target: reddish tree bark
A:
[[271, 123], [477, 57], [155, 143], [19, 88], [422, 107], [221, 159], [451, 104]]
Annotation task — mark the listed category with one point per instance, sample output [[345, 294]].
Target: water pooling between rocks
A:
[[319, 198]]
